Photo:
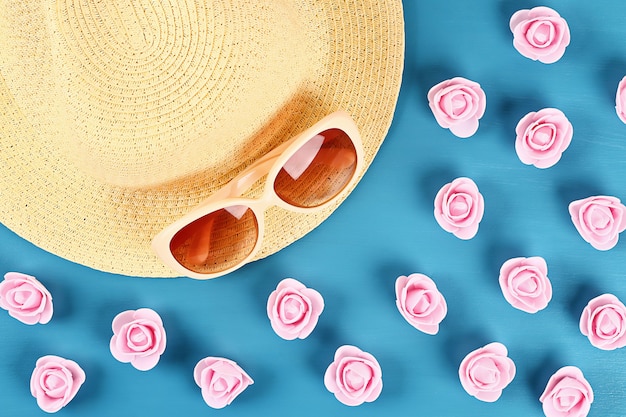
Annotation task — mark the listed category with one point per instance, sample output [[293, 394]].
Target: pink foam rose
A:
[[55, 382], [540, 34], [458, 104], [525, 284], [354, 376], [138, 338], [459, 208], [542, 137], [221, 380], [603, 321], [599, 220], [294, 309], [486, 371], [420, 302], [620, 100], [25, 298], [567, 394]]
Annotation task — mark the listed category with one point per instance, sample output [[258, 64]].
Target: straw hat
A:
[[118, 117]]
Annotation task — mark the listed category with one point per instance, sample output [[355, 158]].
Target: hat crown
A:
[[137, 93], [134, 23]]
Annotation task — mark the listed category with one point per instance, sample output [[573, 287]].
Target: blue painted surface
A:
[[385, 228]]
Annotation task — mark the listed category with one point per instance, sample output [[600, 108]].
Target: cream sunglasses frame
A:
[[269, 165]]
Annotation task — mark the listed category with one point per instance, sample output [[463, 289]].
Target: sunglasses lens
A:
[[318, 171], [216, 241]]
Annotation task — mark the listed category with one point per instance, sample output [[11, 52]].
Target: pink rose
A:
[[293, 309], [420, 302], [620, 100], [525, 284], [138, 338], [25, 298], [458, 104], [55, 382], [485, 372], [567, 394], [459, 208], [542, 137], [354, 376], [599, 220], [603, 321], [221, 380], [540, 34]]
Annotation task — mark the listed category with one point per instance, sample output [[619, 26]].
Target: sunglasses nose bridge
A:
[[245, 180]]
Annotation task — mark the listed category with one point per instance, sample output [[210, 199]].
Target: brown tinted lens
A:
[[217, 241], [318, 171]]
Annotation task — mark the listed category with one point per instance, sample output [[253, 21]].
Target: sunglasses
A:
[[304, 174]]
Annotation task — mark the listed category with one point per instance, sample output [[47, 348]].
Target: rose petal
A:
[[489, 396], [330, 381], [148, 315], [121, 320], [290, 284], [465, 129], [620, 100], [518, 17], [145, 363], [316, 299], [116, 350]]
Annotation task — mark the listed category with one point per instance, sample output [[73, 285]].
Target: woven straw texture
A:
[[119, 116]]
